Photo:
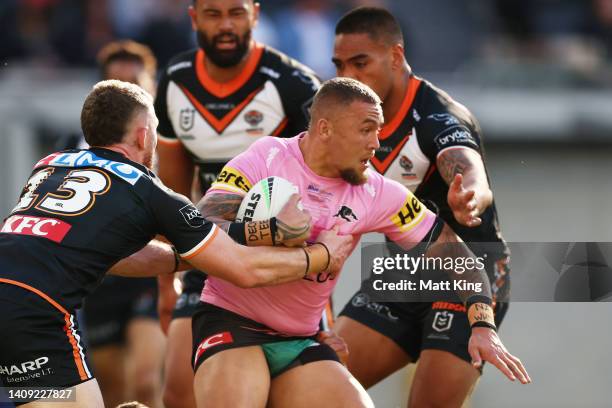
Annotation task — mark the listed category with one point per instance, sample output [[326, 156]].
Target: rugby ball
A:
[[265, 199]]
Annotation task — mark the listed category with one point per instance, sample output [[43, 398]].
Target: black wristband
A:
[[484, 324], [307, 261], [236, 232], [177, 259], [273, 229]]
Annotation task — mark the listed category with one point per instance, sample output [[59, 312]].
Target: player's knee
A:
[[146, 384], [178, 395]]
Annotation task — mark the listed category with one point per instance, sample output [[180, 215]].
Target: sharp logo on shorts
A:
[[192, 216], [50, 228], [455, 307], [232, 180], [24, 367], [410, 215], [346, 213], [442, 321], [460, 134], [212, 341]]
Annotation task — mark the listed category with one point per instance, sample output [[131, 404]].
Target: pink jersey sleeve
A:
[[398, 213], [246, 169]]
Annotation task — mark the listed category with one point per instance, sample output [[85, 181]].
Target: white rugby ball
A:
[[265, 199]]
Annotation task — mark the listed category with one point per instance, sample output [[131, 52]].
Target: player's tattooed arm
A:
[[469, 194], [220, 208], [291, 227]]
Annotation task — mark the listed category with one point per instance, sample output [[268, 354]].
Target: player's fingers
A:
[[475, 355], [521, 368], [514, 368], [457, 183], [502, 366]]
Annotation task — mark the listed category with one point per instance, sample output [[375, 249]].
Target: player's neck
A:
[[316, 157], [226, 74], [124, 150], [393, 101]]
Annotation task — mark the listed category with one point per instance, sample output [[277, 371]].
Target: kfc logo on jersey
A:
[[442, 321], [212, 341], [458, 135], [192, 216], [50, 228], [187, 119]]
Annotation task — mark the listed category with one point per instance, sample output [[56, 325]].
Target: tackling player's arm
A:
[[469, 193]]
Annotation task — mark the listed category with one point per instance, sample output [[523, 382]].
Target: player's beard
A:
[[150, 160], [224, 58], [353, 177]]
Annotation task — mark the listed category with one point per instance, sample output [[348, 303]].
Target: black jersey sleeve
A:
[[161, 107], [444, 123], [180, 221], [297, 85]]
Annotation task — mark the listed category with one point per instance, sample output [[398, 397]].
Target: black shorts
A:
[[216, 329], [417, 326], [117, 301], [41, 343]]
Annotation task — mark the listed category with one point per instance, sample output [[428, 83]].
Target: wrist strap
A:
[[307, 261], [177, 259]]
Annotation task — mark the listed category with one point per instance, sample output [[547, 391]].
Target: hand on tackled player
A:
[[293, 223]]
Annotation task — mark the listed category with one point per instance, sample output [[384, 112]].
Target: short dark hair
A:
[[108, 110], [377, 22], [342, 91], [127, 50]]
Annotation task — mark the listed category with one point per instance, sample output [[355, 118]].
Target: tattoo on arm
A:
[[451, 162], [286, 232], [220, 208]]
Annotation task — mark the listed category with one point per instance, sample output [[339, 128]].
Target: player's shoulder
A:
[[284, 69], [180, 62], [264, 144], [379, 186], [435, 104]]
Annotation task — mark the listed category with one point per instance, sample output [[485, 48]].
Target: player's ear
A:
[[255, 14], [324, 128], [193, 13], [141, 137], [397, 56]]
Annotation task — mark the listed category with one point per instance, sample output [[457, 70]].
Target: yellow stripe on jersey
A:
[[410, 215], [232, 180]]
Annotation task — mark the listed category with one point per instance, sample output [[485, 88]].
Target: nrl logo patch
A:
[[186, 119], [442, 321]]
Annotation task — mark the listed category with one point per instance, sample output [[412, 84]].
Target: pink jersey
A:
[[380, 205]]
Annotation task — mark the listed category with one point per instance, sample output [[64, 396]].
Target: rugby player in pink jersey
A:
[[255, 346]]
